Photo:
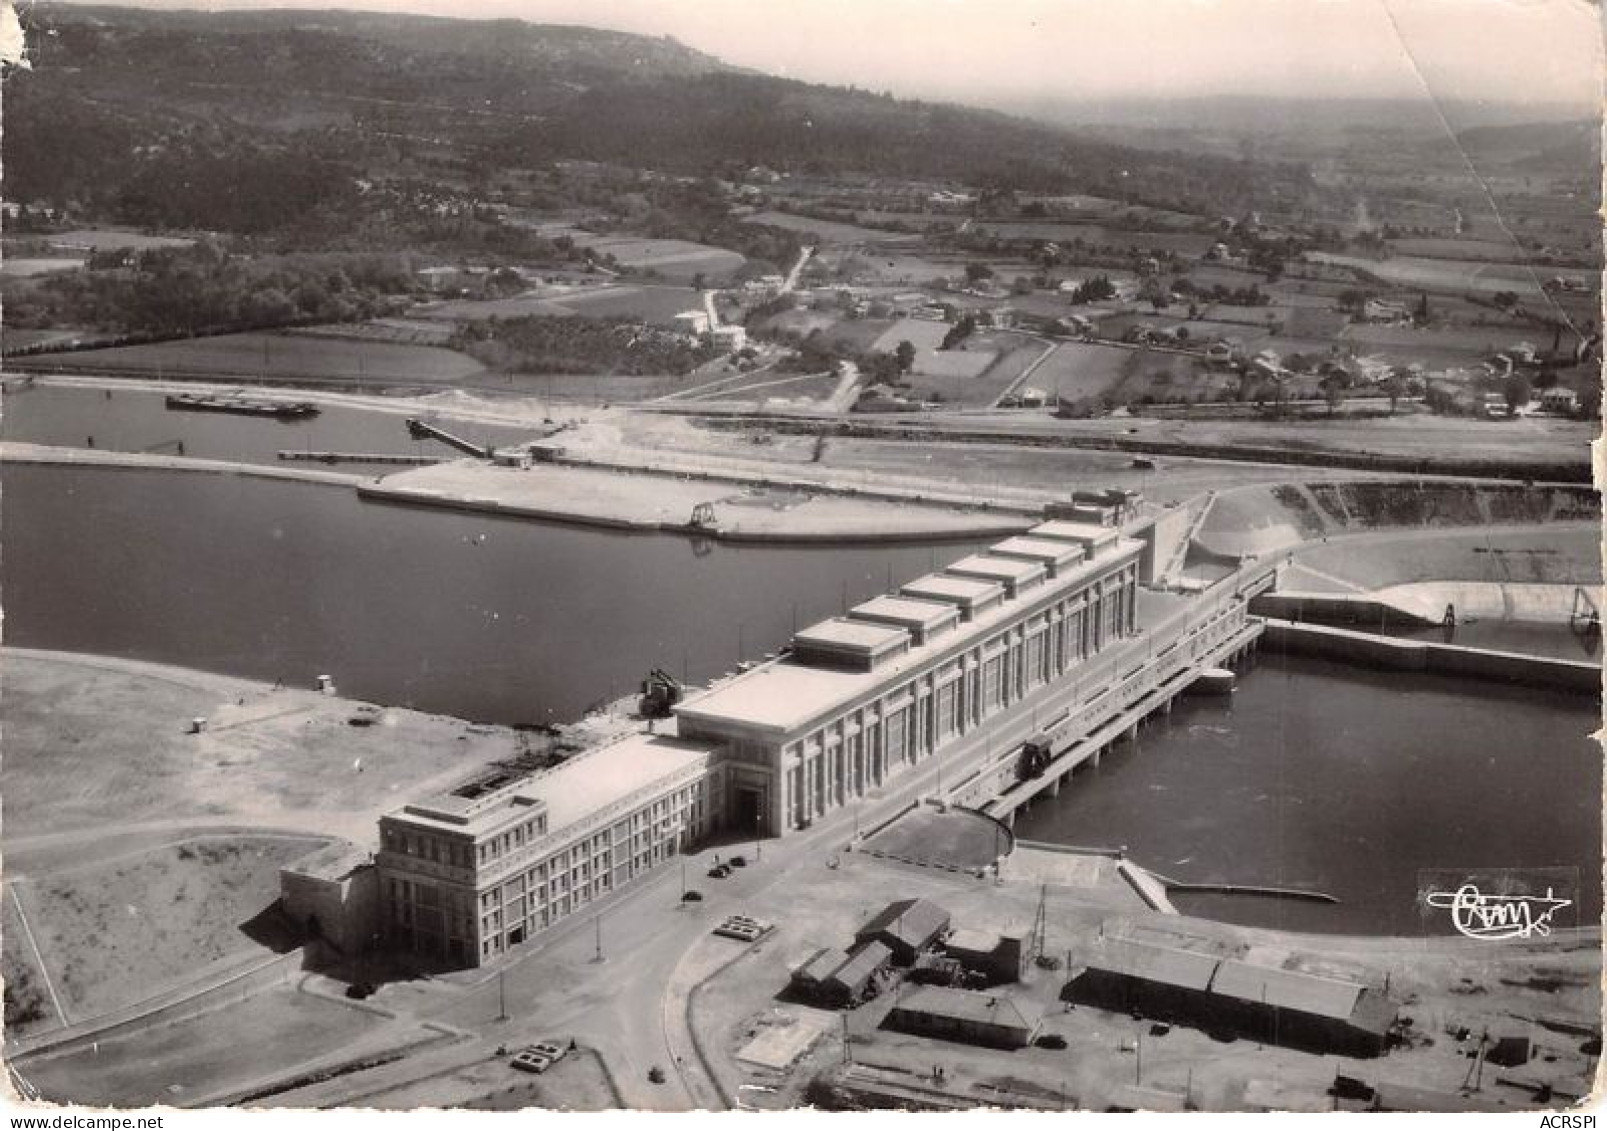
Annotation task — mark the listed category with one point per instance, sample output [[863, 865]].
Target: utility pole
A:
[[598, 921], [848, 1054], [502, 995]]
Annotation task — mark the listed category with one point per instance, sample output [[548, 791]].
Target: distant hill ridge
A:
[[363, 91]]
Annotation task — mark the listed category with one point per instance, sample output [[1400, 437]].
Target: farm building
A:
[[965, 1016], [997, 957], [905, 927]]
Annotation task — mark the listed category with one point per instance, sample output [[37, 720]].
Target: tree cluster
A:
[[605, 347]]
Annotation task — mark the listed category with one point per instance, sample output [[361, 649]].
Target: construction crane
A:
[[660, 692]]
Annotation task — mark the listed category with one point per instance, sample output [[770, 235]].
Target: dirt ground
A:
[[92, 743], [1546, 990], [124, 930], [214, 1053]]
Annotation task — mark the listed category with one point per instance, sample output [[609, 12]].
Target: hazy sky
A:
[[1000, 50]]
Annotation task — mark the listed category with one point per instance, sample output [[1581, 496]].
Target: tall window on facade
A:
[[898, 736], [992, 684], [947, 710]]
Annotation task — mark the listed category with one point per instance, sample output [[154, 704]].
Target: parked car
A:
[[691, 897], [719, 871]]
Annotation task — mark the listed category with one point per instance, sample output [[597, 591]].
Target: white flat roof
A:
[[1074, 532], [1039, 550], [967, 591], [853, 634], [785, 694], [589, 782], [905, 610], [1007, 569], [582, 785]]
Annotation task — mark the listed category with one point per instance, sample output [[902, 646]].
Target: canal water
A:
[[1334, 778], [138, 420], [496, 620]]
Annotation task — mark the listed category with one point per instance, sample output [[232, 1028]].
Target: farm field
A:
[[885, 266], [676, 259], [828, 231], [1079, 371], [923, 220], [1476, 277], [283, 356], [95, 239], [1476, 340], [1184, 243], [655, 305], [31, 268], [770, 386], [117, 932], [1496, 251], [965, 363]]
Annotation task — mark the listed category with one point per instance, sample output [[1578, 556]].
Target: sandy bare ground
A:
[[120, 931], [94, 745]]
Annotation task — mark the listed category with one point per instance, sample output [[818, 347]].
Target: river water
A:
[[496, 620], [1313, 774], [1334, 778], [138, 420]]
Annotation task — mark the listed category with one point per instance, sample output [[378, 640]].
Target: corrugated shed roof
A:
[[820, 965], [1374, 1012], [865, 962], [1286, 989], [973, 1007], [1188, 969], [914, 922]]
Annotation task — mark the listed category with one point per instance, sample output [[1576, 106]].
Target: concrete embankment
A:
[[1425, 603], [43, 454], [743, 509], [761, 511], [1427, 656]]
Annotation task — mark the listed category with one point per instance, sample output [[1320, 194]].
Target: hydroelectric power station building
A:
[[854, 702]]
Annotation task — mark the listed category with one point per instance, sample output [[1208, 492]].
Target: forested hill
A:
[[145, 114]]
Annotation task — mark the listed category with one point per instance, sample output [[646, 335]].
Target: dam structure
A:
[[934, 687]]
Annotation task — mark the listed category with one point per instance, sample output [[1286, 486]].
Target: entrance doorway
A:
[[750, 810]]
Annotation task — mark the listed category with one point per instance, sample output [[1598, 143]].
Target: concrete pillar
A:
[[1131, 733], [1054, 788], [1010, 819]]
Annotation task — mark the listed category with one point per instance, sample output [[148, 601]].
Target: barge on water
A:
[[242, 406]]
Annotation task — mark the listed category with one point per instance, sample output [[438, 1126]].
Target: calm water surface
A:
[[1335, 778], [496, 620], [137, 420]]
